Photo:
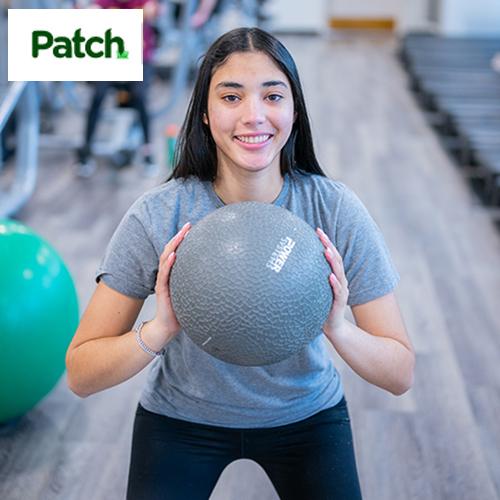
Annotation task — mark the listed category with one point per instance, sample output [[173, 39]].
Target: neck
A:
[[235, 187]]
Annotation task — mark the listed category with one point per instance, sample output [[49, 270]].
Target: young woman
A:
[[246, 137]]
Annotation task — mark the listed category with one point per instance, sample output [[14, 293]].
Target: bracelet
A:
[[141, 343]]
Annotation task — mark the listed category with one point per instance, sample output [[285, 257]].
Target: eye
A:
[[230, 98], [275, 97]]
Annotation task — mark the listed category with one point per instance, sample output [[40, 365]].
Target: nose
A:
[[253, 111]]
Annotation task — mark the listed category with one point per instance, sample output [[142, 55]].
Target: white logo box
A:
[[124, 23]]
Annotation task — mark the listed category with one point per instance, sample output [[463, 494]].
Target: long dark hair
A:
[[196, 152]]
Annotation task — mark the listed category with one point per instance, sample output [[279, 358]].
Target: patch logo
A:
[[75, 45]]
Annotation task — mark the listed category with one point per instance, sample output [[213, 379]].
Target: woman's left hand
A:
[[338, 281]]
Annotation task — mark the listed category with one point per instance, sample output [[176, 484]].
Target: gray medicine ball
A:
[[250, 284]]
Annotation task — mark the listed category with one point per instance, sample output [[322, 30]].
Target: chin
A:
[[256, 168], [256, 165]]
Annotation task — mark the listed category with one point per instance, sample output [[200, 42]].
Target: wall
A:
[[298, 16], [455, 17], [470, 17], [408, 14], [364, 8]]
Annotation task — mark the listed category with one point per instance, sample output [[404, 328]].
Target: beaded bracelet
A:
[[141, 343]]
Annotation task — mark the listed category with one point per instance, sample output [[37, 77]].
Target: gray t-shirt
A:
[[189, 384]]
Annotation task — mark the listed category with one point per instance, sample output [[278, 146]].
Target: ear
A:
[[205, 119]]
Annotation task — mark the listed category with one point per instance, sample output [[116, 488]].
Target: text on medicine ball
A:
[[280, 254]]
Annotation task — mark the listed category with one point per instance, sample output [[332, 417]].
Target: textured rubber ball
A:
[[250, 284]]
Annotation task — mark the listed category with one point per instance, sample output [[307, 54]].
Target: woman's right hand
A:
[[165, 323]]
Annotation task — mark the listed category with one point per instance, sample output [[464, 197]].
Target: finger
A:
[[162, 268], [337, 266], [164, 257], [168, 269], [336, 253], [333, 282], [337, 258], [184, 230], [163, 275], [329, 244], [334, 258], [175, 241], [324, 238], [340, 290], [329, 258], [336, 286], [160, 281], [172, 245], [322, 234]]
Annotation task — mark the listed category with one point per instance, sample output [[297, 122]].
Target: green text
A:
[[78, 46]]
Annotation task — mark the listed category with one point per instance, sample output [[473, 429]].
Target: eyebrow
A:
[[236, 85]]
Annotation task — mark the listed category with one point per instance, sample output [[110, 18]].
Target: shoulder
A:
[[321, 189], [316, 182], [167, 196], [164, 209], [333, 202]]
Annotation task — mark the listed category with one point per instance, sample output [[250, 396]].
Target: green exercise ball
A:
[[38, 317]]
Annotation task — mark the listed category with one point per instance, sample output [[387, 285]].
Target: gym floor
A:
[[440, 440]]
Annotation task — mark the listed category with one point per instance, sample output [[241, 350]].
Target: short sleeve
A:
[[130, 263], [368, 265]]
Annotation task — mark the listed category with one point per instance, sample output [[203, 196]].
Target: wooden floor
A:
[[439, 441]]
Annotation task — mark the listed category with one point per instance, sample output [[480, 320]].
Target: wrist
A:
[[154, 336], [337, 331]]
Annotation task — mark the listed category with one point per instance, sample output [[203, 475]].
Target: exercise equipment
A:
[[39, 315], [171, 134], [18, 101], [250, 284], [456, 81], [118, 135]]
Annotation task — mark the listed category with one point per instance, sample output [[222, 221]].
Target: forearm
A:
[[382, 361], [105, 362]]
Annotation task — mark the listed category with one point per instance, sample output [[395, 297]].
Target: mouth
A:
[[253, 140]]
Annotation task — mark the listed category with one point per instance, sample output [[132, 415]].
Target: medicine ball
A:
[[250, 284]]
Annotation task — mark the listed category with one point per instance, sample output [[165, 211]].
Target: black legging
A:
[[138, 96], [308, 460]]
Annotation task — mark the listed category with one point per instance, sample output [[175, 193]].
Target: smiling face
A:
[[250, 112]]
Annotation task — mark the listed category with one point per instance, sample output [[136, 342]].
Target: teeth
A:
[[253, 140]]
